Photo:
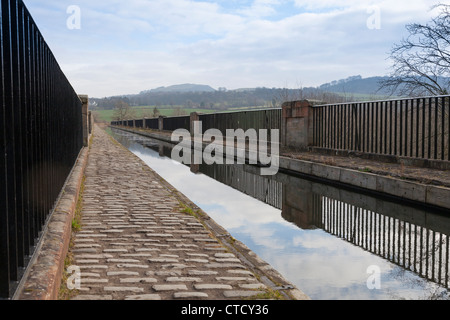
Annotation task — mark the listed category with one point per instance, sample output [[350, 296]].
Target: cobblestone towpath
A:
[[139, 241]]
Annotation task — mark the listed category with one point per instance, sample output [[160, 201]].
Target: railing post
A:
[[297, 125], [90, 122], [194, 118], [161, 123], [85, 112]]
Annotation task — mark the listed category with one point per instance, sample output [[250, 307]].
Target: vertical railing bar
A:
[[365, 128], [400, 152], [4, 223], [448, 127], [376, 127], [436, 129], [18, 123], [390, 127], [385, 127], [443, 128], [26, 137], [406, 128], [417, 126], [447, 261], [409, 243], [412, 129], [395, 128], [429, 127], [423, 127], [8, 69]]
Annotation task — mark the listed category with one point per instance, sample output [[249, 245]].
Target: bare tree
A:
[[123, 111], [178, 111], [421, 62]]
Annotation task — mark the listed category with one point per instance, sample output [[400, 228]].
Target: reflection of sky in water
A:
[[322, 265]]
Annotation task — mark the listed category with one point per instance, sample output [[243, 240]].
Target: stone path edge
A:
[[264, 271], [42, 278]]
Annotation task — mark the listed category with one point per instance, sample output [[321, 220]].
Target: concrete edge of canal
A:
[[434, 196]]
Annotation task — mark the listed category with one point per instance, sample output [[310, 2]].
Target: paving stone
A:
[[213, 286], [241, 294], [169, 287], [183, 279], [202, 273], [87, 280], [123, 289], [190, 295], [144, 297], [138, 280], [122, 273], [234, 279], [92, 298]]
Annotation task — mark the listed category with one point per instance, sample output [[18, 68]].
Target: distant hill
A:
[[355, 85], [182, 88]]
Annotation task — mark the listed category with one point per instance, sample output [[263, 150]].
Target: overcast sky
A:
[[117, 47]]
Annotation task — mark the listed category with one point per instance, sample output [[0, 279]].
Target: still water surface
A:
[[329, 242]]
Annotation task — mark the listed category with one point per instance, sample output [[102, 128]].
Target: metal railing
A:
[[416, 127], [40, 138], [259, 119], [255, 119], [174, 123]]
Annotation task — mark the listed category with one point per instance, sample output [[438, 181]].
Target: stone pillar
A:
[[194, 117], [161, 123], [85, 116], [91, 122], [144, 121], [297, 125]]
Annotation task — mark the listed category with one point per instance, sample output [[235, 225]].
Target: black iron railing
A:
[[416, 127], [40, 138], [257, 119]]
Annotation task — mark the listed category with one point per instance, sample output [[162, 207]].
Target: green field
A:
[[167, 111], [140, 112]]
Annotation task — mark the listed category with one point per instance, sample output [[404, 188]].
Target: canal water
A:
[[331, 243]]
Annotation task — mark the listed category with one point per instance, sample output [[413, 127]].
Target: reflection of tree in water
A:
[[421, 255], [430, 291], [424, 252]]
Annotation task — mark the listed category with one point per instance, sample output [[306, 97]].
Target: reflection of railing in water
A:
[[411, 246], [258, 187]]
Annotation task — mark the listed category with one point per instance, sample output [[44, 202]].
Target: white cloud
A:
[[129, 46]]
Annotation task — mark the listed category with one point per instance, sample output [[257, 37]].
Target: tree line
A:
[[218, 100]]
